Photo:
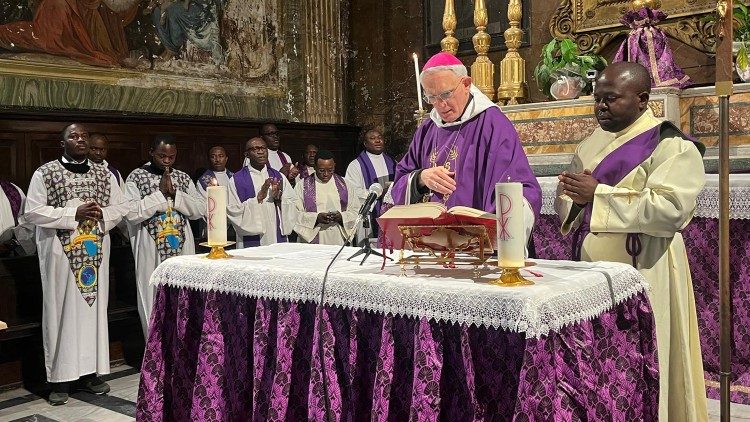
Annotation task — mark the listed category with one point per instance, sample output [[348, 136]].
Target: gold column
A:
[[513, 88], [482, 71], [324, 64], [449, 43]]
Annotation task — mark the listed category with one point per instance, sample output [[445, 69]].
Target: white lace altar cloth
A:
[[566, 293], [707, 203]]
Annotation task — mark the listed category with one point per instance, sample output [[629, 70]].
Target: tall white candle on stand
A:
[[419, 85], [511, 230], [216, 217]]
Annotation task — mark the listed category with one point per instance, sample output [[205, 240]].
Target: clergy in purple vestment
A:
[[464, 148], [260, 200]]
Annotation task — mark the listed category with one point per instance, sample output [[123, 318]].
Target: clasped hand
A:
[[89, 211], [165, 184], [580, 187], [329, 218]]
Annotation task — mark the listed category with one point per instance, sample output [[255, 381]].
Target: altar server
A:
[[631, 188], [261, 201], [327, 206], [74, 205], [163, 199]]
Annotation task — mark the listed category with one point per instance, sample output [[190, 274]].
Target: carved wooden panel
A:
[[11, 150], [594, 23]]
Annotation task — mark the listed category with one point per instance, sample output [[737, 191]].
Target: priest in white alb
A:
[[326, 205], [74, 204], [372, 165], [631, 188], [163, 200], [260, 200]]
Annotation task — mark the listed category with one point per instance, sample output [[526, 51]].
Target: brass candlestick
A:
[[420, 115], [217, 251], [511, 277]]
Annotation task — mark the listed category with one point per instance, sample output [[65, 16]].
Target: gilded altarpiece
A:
[[595, 23]]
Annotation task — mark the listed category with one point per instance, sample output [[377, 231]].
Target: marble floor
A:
[[119, 405]]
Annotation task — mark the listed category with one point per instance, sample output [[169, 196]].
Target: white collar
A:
[[477, 104], [65, 160], [253, 170]]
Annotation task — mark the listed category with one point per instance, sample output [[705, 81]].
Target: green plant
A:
[[564, 55], [741, 29]]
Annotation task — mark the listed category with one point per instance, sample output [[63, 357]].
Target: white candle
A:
[[216, 217], [511, 233], [419, 86]]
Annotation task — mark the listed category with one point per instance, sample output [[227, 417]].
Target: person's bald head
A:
[[621, 95]]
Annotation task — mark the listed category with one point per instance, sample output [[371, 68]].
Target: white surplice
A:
[[327, 199], [251, 218], [75, 335], [657, 199], [23, 233], [189, 204], [274, 161], [356, 181]]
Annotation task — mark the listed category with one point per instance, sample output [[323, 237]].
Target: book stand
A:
[[446, 245]]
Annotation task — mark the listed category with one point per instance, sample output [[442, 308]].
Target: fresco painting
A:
[[215, 39]]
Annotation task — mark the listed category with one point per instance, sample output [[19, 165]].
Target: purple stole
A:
[[116, 172], [14, 198], [207, 175], [282, 158], [368, 172], [303, 172], [246, 190], [618, 164], [309, 195]]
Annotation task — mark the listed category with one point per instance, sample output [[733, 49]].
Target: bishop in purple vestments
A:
[[464, 148]]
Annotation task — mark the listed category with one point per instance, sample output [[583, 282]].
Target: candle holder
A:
[[420, 115], [217, 251], [511, 277]]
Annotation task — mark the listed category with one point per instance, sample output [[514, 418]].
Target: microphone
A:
[[373, 194]]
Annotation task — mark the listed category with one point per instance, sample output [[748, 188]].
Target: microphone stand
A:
[[364, 245]]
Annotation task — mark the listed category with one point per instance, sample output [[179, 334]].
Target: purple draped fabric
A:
[[243, 182], [309, 193], [281, 155], [222, 357], [14, 198], [647, 45], [701, 243], [614, 167], [489, 151]]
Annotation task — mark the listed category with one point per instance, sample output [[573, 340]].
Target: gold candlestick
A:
[[511, 277], [217, 251], [420, 115]]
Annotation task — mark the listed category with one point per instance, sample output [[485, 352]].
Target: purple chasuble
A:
[[487, 151], [246, 190], [14, 198], [618, 164], [309, 194]]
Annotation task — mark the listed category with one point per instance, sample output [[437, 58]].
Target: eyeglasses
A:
[[324, 171], [78, 136], [445, 96]]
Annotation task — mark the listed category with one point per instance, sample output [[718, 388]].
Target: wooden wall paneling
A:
[[12, 158]]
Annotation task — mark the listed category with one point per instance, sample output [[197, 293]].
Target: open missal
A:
[[445, 229]]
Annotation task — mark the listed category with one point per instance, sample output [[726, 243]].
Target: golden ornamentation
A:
[[482, 70], [593, 24], [721, 12], [217, 251], [513, 88], [652, 4], [467, 245], [657, 107], [449, 43]]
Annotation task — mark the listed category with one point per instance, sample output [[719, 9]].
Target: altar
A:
[[701, 240], [238, 339]]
